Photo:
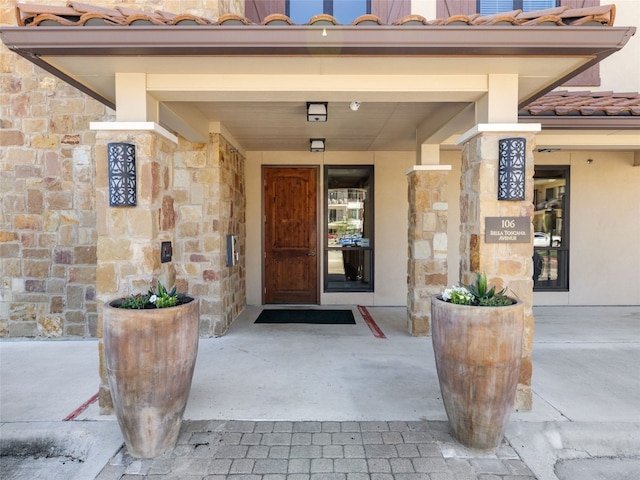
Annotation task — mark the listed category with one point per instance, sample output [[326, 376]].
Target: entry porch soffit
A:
[[600, 138], [194, 73]]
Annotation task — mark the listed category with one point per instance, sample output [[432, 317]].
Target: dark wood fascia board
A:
[[581, 122]]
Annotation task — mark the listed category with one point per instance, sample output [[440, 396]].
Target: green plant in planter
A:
[[137, 301], [164, 298], [161, 298], [477, 293]]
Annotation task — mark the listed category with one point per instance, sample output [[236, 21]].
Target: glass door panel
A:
[[349, 228]]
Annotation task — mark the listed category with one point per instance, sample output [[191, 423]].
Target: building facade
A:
[[414, 111]]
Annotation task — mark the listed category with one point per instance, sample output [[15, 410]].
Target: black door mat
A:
[[319, 317]]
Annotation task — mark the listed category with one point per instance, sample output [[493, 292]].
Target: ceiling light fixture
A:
[[355, 106], [316, 145], [316, 111]]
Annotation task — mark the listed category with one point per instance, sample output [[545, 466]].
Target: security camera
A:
[[354, 106]]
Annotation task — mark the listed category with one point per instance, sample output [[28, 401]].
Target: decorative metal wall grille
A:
[[122, 174], [511, 171]]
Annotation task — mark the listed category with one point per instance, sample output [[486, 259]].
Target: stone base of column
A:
[[524, 398], [105, 402], [427, 264]]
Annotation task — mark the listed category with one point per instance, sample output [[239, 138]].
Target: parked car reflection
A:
[[549, 204], [350, 240], [541, 239]]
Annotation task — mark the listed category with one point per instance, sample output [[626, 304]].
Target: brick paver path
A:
[[246, 450]]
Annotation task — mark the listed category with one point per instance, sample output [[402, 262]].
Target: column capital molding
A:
[[134, 126], [518, 128], [429, 168]]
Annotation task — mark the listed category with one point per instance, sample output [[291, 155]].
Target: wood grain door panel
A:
[[290, 235]]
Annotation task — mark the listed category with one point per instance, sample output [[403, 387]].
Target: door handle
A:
[[312, 253]]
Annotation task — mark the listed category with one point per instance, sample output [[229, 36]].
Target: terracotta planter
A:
[[150, 356], [478, 352]]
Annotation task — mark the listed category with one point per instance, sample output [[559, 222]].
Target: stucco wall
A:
[[390, 190], [604, 228], [454, 159], [391, 206], [604, 225], [621, 72]]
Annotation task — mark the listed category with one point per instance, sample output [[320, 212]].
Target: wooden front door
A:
[[290, 235]]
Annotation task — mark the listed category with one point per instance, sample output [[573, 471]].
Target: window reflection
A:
[[550, 238], [488, 7], [344, 11], [349, 214]]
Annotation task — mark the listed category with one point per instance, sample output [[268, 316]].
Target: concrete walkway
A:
[[334, 402]]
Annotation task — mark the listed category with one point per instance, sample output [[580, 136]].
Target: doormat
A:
[[319, 317]]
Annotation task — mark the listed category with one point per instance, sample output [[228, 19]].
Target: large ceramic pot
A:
[[150, 355], [478, 352]]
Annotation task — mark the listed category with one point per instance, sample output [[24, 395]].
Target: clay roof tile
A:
[[323, 19], [411, 20], [70, 15], [585, 103], [603, 15]]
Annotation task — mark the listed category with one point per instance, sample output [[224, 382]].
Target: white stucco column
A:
[[428, 154], [133, 103], [500, 103]]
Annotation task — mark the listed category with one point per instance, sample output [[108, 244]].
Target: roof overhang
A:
[[181, 62], [46, 46]]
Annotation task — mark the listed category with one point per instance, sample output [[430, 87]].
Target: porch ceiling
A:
[[255, 81]]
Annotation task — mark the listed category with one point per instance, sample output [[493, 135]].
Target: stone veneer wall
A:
[[231, 220], [210, 203], [506, 264], [128, 246], [47, 205], [427, 263]]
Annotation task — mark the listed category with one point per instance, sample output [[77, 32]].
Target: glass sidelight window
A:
[[348, 213], [551, 229]]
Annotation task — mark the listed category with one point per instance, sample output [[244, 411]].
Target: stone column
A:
[[427, 264], [505, 264], [210, 204], [129, 238]]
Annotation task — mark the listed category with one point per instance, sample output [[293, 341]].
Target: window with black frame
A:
[[489, 7], [550, 226], [348, 213], [344, 11]]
